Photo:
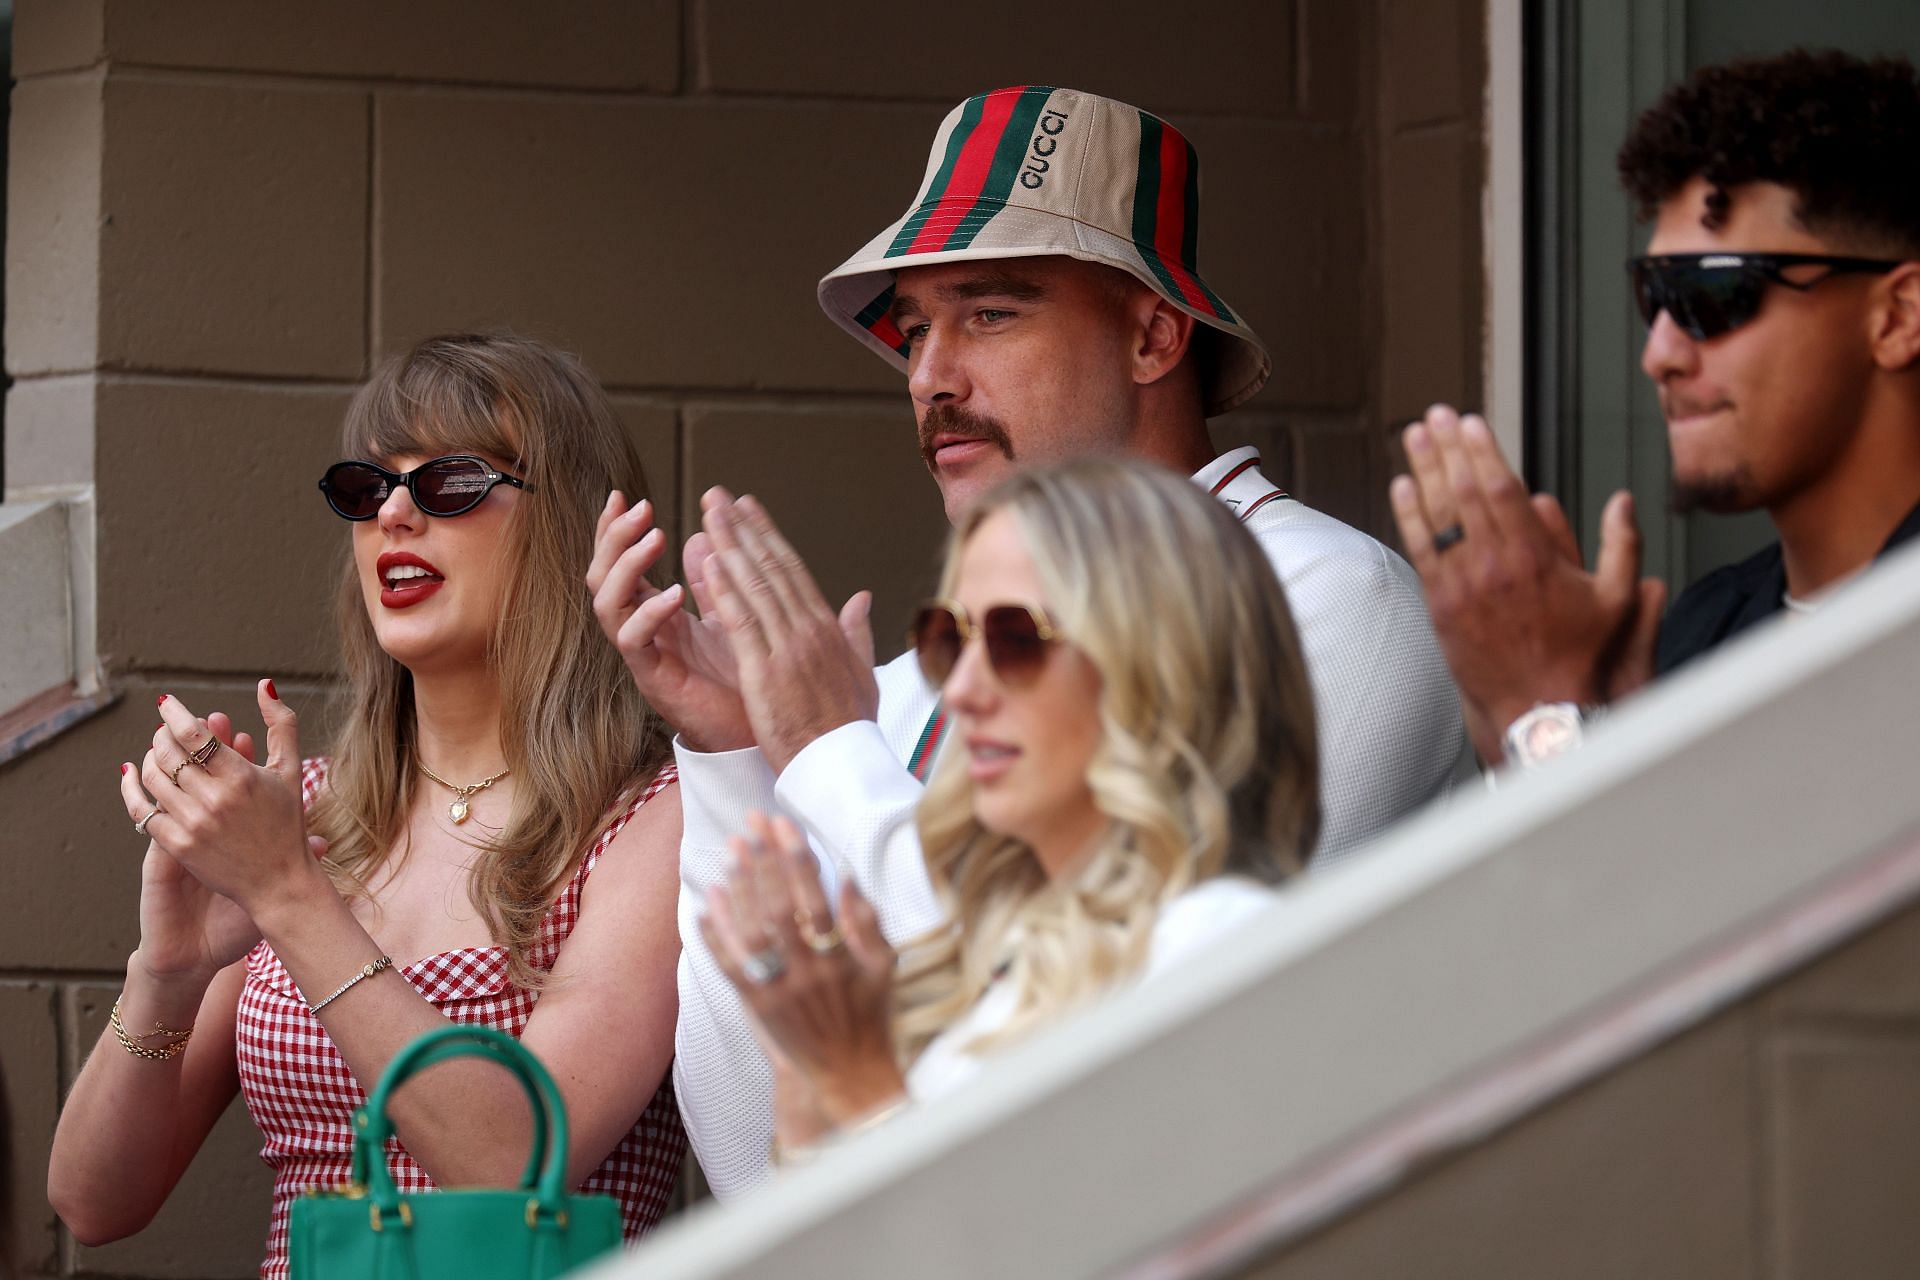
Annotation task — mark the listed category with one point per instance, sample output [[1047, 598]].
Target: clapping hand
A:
[[236, 826], [818, 989], [188, 932], [805, 669], [1519, 617], [683, 664]]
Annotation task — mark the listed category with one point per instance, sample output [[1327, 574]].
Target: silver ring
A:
[[764, 966], [1451, 536], [141, 826]]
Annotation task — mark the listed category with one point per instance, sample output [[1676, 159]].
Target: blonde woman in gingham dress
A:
[[493, 840]]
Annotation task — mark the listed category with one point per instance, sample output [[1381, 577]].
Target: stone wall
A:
[[1776, 1139], [221, 213]]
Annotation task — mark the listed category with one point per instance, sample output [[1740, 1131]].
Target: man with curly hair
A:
[[1781, 289]]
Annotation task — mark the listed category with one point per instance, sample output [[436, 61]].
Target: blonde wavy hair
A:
[[1207, 763], [576, 733]]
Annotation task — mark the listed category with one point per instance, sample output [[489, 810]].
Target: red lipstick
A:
[[406, 579]]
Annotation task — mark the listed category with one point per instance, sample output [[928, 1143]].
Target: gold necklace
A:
[[458, 809]]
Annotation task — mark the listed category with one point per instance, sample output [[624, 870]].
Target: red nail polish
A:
[[160, 701], [272, 692], [124, 768]]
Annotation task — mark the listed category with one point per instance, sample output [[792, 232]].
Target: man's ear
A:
[[1163, 334], [1896, 320]]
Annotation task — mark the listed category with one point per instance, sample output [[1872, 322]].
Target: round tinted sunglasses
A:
[[1709, 294], [1016, 637], [449, 486]]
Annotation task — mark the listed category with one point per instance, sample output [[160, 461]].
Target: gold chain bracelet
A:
[[781, 1156], [133, 1043]]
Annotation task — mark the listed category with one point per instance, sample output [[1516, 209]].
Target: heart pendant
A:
[[457, 811]]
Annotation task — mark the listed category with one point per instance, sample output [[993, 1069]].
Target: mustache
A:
[[952, 420]]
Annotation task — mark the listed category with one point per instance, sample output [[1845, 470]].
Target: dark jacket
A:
[[1729, 600]]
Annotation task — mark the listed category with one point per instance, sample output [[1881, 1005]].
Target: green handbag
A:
[[368, 1230]]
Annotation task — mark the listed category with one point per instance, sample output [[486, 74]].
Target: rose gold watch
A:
[[1546, 731]]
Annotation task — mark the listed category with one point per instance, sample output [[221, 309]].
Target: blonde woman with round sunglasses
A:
[[1133, 764]]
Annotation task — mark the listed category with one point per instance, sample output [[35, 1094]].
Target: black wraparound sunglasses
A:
[[449, 486], [1709, 294], [1016, 637]]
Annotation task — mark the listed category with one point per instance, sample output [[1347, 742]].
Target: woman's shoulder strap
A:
[[313, 777], [666, 777]]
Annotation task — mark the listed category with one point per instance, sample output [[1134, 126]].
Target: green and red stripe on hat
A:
[[1166, 215], [983, 156]]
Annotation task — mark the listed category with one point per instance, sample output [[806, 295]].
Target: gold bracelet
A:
[[133, 1044], [373, 967], [874, 1119], [781, 1156]]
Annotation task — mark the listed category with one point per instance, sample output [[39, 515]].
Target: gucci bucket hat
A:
[[1032, 171]]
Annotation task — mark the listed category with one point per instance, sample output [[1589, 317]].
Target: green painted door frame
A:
[[1596, 424]]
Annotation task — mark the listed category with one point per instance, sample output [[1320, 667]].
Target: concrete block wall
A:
[[1776, 1139], [221, 213], [1432, 171]]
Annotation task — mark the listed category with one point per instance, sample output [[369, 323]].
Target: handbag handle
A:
[[545, 1175]]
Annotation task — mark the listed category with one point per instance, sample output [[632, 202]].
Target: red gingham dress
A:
[[302, 1095]]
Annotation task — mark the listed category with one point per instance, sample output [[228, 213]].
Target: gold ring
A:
[[204, 752], [173, 774], [819, 941]]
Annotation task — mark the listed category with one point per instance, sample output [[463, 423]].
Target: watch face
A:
[[1548, 736]]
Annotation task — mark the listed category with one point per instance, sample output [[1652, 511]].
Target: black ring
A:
[[1451, 536]]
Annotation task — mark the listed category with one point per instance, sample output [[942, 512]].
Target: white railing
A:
[[1714, 832]]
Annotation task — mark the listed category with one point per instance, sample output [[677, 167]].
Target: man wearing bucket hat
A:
[[1043, 299]]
